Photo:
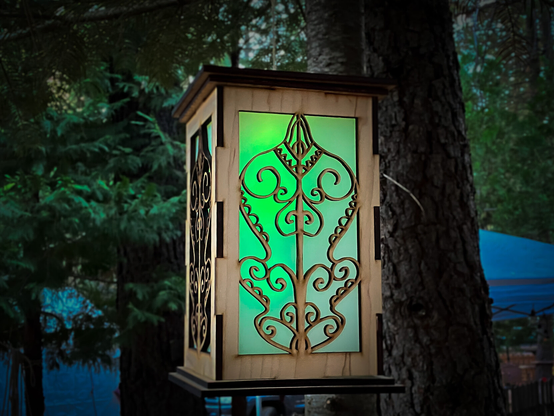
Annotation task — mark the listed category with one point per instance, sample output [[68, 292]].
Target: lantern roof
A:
[[210, 76]]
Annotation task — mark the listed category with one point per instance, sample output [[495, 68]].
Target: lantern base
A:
[[204, 387]]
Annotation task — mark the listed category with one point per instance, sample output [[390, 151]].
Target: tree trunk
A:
[[13, 386], [32, 349], [335, 36], [335, 46], [436, 309], [156, 350]]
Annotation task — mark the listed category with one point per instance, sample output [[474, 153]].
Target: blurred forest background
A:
[[92, 187]]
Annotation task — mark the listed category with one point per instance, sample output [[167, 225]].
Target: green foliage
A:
[[510, 121], [65, 207], [63, 42], [514, 333], [281, 27], [152, 299], [80, 335]]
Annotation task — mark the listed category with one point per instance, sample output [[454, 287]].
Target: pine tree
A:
[[64, 207], [507, 69]]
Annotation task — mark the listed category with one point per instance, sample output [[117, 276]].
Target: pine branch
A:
[[96, 279], [52, 315], [114, 13], [301, 8], [464, 7]]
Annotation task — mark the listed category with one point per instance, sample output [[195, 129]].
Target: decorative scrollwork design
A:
[[297, 217], [200, 264]]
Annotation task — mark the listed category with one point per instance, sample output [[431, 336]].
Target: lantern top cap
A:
[[211, 76]]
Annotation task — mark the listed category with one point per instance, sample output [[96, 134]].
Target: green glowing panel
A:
[[298, 255]]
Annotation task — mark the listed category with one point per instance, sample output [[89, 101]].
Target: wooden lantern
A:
[[282, 237]]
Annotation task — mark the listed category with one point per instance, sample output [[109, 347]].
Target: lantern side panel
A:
[[298, 234], [358, 355], [200, 240], [200, 250]]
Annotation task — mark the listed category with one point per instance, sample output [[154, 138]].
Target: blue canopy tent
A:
[[520, 274]]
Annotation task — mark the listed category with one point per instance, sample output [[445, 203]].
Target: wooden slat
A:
[[380, 355], [220, 229], [377, 232], [531, 399], [325, 381]]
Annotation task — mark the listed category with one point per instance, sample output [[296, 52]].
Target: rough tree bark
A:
[[334, 31], [437, 318]]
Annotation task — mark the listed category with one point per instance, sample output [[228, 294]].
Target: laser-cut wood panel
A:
[[200, 328], [306, 365], [283, 281]]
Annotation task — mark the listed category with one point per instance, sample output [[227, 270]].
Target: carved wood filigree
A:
[[299, 153], [200, 266]]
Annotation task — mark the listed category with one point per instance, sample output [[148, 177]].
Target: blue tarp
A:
[[520, 274]]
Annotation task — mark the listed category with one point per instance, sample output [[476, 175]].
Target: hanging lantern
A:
[[282, 238]]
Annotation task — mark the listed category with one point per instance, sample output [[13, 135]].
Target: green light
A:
[[315, 160]]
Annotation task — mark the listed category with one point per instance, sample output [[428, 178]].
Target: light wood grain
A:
[[227, 189]]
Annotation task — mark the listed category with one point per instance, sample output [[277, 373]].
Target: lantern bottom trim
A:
[[204, 387]]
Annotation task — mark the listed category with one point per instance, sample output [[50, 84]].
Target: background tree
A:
[[153, 344], [511, 334], [506, 52], [61, 215], [437, 318], [507, 66], [48, 205]]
